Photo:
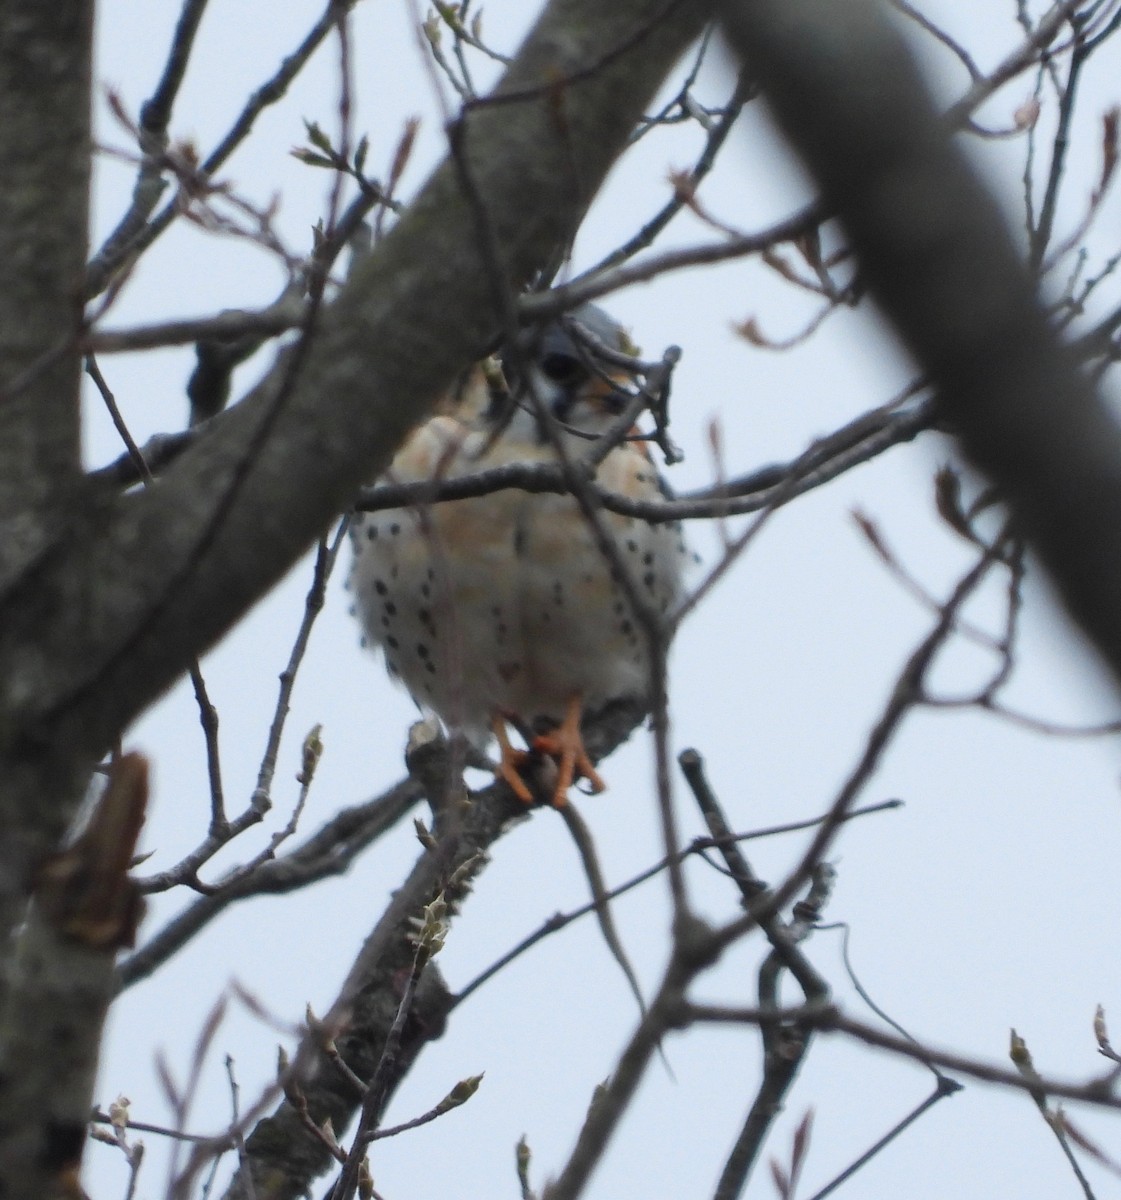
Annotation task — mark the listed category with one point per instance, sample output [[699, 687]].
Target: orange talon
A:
[[566, 745], [511, 759]]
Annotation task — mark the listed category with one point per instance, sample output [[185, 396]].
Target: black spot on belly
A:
[[380, 587], [372, 533]]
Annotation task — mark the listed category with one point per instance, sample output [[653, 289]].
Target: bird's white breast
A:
[[505, 604]]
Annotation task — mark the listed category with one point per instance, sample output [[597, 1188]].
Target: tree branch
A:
[[147, 581], [44, 146], [939, 259], [281, 1150]]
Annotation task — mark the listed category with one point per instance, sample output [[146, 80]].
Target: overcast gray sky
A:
[[989, 900]]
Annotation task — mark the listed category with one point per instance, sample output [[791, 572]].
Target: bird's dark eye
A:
[[563, 368], [615, 401]]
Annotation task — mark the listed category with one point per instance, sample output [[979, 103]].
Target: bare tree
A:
[[114, 581]]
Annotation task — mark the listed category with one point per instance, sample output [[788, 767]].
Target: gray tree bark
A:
[[103, 606], [104, 599]]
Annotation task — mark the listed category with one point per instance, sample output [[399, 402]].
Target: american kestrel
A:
[[503, 608]]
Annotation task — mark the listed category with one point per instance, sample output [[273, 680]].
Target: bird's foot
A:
[[565, 746], [510, 761]]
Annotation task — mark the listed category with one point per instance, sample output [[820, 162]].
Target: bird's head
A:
[[567, 371]]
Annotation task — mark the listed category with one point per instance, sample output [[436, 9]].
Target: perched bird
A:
[[503, 608]]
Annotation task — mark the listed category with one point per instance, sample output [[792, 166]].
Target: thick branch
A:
[[176, 566], [44, 184], [281, 1154], [144, 583], [44, 157], [937, 256]]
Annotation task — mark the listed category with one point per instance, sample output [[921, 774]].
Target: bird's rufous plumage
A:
[[504, 607]]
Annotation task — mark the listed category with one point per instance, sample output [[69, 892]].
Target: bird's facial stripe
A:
[[610, 393], [603, 394]]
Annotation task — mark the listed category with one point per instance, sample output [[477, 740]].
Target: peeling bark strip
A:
[[85, 891], [59, 987]]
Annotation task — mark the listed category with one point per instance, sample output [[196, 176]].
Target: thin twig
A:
[[943, 1088], [700, 845], [208, 714], [327, 853], [907, 694], [377, 1091], [102, 269], [831, 1020]]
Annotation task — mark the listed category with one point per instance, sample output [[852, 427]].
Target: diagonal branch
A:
[[939, 259], [145, 582], [414, 312]]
